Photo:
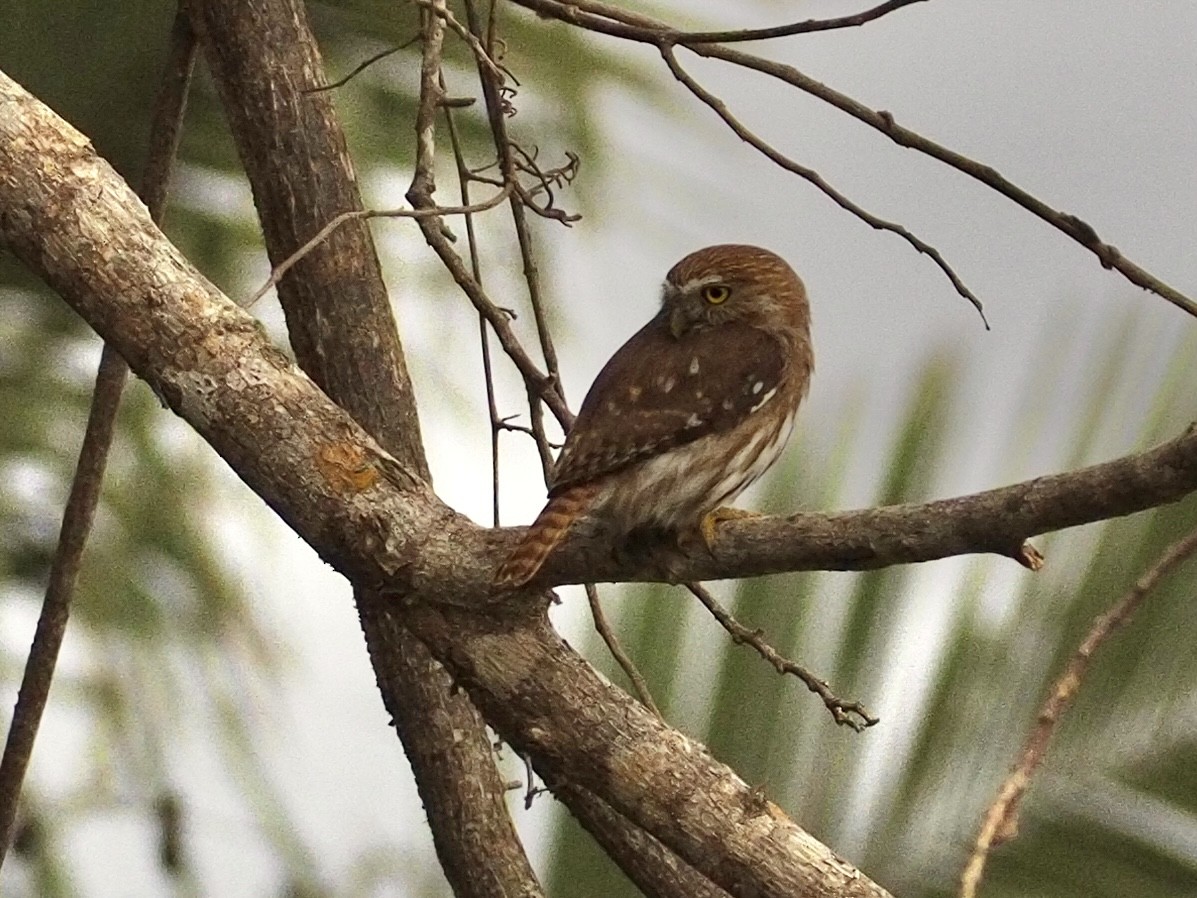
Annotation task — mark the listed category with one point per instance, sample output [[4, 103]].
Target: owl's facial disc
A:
[[693, 303]]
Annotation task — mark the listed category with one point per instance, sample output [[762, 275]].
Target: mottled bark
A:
[[265, 63], [67, 215]]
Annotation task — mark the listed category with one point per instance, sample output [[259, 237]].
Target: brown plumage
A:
[[687, 413]]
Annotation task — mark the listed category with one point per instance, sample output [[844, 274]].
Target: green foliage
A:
[[1113, 810]]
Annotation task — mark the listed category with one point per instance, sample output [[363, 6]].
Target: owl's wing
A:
[[658, 392]]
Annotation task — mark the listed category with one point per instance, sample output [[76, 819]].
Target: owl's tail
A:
[[544, 535]]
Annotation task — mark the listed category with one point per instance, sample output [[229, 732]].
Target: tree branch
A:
[[996, 521], [266, 66], [69, 217], [804, 27], [608, 19], [1000, 823], [65, 213], [166, 128], [809, 174]]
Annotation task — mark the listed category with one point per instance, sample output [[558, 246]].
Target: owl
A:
[[688, 412]]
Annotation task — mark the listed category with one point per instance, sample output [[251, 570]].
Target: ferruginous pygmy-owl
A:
[[689, 412]]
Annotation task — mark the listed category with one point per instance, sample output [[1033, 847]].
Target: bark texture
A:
[[70, 218], [265, 63], [372, 515]]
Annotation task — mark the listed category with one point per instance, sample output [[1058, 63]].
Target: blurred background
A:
[[215, 729]]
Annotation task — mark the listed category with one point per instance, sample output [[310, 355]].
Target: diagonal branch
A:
[[816, 179], [608, 19], [166, 128], [373, 518], [845, 713], [265, 63], [67, 215]]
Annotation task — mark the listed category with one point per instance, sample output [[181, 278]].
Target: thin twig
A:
[[166, 126], [815, 178], [1000, 823], [607, 19], [805, 27], [288, 263], [496, 117], [463, 181], [361, 67], [850, 714], [420, 194], [617, 652]]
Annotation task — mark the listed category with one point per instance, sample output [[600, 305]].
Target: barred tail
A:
[[544, 535]]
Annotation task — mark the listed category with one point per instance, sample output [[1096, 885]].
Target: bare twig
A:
[[617, 652], [815, 178], [166, 126], [365, 214], [1000, 823], [496, 112], [805, 27], [463, 180], [420, 194], [482, 54], [362, 66], [851, 714], [608, 19]]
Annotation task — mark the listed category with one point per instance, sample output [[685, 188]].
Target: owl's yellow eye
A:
[[716, 293]]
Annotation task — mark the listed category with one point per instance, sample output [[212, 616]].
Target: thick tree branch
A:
[[548, 703], [656, 871], [67, 215], [266, 66]]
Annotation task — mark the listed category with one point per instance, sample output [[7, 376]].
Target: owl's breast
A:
[[676, 489]]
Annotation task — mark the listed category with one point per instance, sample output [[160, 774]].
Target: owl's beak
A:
[[678, 322], [681, 316]]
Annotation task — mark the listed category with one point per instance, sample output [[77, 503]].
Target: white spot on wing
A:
[[694, 365], [763, 399], [757, 387], [693, 421]]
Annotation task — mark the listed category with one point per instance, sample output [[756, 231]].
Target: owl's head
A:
[[734, 282]]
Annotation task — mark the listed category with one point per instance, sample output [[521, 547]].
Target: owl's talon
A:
[[710, 524]]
